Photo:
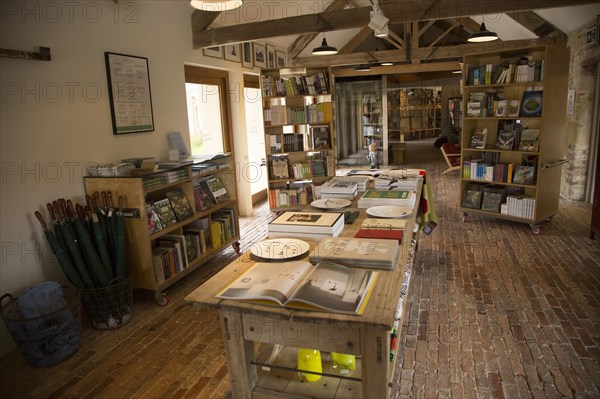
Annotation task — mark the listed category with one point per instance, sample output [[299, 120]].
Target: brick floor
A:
[[493, 311]]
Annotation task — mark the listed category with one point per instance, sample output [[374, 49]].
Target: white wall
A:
[[55, 116]]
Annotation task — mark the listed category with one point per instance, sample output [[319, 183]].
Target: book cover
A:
[[513, 108], [308, 222], [479, 137], [154, 224], [387, 234], [530, 139], [357, 252], [383, 224], [179, 203], [203, 199], [386, 194], [491, 201], [279, 167], [524, 174], [501, 108], [165, 212], [471, 199], [506, 140], [531, 105], [212, 186], [326, 286]]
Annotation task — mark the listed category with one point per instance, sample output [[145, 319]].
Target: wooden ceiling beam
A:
[[304, 40], [356, 40], [423, 54], [399, 69], [202, 19], [536, 24], [446, 32], [396, 10]]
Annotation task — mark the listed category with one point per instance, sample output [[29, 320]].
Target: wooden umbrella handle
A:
[[70, 209], [89, 201], [56, 210], [121, 202], [62, 205], [109, 200], [80, 212], [104, 200], [51, 211], [39, 217]]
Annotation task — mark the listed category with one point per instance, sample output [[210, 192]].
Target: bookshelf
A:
[[512, 144], [140, 188], [413, 113], [298, 119], [372, 120]]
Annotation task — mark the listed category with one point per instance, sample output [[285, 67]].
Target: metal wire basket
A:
[[46, 340], [109, 307]]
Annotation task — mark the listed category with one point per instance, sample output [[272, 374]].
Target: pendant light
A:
[[363, 68], [324, 49], [216, 5], [482, 36]]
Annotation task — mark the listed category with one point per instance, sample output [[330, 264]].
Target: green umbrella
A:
[[119, 237], [93, 262], [59, 251], [98, 235]]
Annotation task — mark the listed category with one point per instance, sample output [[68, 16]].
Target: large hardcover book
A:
[[387, 197], [215, 189], [165, 212], [308, 222], [179, 203], [357, 252], [326, 286]]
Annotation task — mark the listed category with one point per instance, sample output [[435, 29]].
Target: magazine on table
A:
[[326, 286]]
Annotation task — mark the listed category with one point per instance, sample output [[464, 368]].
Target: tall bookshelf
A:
[[298, 119], [140, 188], [372, 120], [509, 99], [413, 113]]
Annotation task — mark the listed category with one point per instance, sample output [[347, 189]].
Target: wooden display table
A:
[[367, 336]]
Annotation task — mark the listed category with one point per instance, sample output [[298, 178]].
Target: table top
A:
[[379, 312]]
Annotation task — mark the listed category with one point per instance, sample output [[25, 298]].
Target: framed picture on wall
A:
[[129, 93], [591, 36], [233, 52], [260, 56], [270, 56], [247, 55], [215, 52], [281, 59]]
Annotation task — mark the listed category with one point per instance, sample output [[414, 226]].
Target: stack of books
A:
[[307, 225], [390, 229], [370, 253], [339, 189], [362, 182], [387, 197]]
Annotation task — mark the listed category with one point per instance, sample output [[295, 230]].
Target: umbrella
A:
[[59, 251], [100, 274], [119, 238], [72, 246], [98, 235]]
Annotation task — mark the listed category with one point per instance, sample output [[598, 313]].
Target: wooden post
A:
[[239, 352]]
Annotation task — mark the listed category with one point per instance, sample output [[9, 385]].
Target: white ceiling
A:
[[565, 18]]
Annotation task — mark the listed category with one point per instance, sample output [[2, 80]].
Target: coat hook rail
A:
[[42, 55]]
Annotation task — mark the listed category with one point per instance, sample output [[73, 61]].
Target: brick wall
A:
[[582, 78]]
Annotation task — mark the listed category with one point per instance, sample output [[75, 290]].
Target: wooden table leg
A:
[[375, 362], [239, 352]]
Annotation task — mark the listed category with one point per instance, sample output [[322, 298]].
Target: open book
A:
[[298, 284]]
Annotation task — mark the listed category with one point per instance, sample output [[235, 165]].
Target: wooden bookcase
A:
[[140, 242], [372, 115], [546, 72], [298, 119], [413, 113]]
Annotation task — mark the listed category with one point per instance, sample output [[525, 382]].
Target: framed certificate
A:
[[129, 93]]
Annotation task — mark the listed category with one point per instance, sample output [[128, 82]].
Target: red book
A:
[[391, 234]]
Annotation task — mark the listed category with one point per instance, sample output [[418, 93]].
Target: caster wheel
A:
[[536, 230], [162, 299], [236, 247], [465, 218], [549, 219]]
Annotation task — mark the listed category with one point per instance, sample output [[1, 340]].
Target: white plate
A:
[[387, 211], [331, 203], [280, 248]]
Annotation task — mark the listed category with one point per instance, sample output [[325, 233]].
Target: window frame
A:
[[201, 75]]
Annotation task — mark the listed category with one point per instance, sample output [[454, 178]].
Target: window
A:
[[208, 110]]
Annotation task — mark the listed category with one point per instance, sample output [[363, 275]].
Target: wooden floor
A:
[[493, 311]]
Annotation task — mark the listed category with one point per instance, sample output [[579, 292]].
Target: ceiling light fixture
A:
[[362, 68], [386, 63], [378, 22], [324, 49], [482, 36], [457, 71], [216, 5]]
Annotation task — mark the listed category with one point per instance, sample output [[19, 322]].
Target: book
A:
[[383, 224], [308, 222], [327, 286], [386, 234], [491, 201], [471, 199], [524, 174], [165, 212], [513, 108], [279, 167], [154, 224], [215, 189], [506, 140], [357, 252], [479, 137], [387, 197], [179, 203], [531, 105], [501, 108], [530, 139]]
